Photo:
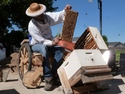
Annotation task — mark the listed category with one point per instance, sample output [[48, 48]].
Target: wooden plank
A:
[[88, 70], [64, 81], [84, 88], [97, 71], [69, 25], [96, 77], [95, 67], [75, 78]]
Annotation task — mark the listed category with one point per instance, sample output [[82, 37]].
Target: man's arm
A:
[[55, 18]]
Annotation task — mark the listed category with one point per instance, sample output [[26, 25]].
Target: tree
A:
[[12, 12], [15, 38], [105, 39]]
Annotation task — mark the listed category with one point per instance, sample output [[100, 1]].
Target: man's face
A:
[[40, 17]]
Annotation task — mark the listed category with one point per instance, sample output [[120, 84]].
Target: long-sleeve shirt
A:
[[41, 33]]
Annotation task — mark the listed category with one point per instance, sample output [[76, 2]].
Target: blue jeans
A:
[[57, 53]]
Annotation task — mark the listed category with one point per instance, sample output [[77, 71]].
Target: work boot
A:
[[56, 80], [48, 83]]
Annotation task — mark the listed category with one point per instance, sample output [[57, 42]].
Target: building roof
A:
[[116, 45]]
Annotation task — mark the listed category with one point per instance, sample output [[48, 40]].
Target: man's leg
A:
[[58, 53], [46, 65], [43, 50]]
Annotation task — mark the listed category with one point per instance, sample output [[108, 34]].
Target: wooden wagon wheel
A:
[[25, 59], [29, 82], [33, 78]]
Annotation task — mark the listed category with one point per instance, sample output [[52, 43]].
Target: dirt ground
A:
[[14, 86]]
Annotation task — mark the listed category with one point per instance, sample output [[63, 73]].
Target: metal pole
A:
[[100, 15]]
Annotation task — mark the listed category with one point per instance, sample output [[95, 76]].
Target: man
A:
[[42, 41]]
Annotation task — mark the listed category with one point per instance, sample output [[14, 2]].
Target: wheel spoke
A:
[[24, 50], [22, 70], [21, 54], [26, 55], [25, 69], [21, 62]]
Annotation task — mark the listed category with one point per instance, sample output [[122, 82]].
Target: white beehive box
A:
[[98, 38], [82, 58], [91, 39]]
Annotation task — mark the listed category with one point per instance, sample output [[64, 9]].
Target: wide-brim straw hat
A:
[[35, 9]]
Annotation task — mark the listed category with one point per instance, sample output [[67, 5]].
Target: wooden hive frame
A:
[[90, 39], [86, 41], [69, 25]]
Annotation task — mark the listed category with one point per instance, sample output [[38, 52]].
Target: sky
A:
[[113, 17]]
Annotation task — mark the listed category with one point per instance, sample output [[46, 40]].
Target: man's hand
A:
[[55, 41], [68, 7]]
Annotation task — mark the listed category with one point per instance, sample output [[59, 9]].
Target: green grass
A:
[[118, 54]]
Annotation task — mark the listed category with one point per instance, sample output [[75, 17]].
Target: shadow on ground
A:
[[10, 91]]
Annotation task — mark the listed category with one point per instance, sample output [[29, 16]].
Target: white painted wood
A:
[[82, 58], [98, 38]]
